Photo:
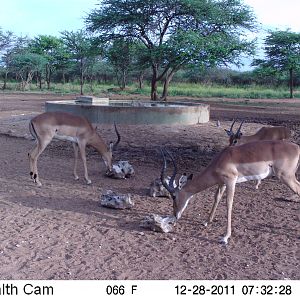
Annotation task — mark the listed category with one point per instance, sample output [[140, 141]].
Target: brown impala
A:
[[264, 133], [67, 127], [252, 161]]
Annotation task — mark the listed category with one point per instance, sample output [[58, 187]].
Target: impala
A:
[[252, 161], [264, 133], [67, 127]]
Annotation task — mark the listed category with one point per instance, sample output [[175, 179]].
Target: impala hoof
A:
[[223, 240], [89, 182], [76, 177]]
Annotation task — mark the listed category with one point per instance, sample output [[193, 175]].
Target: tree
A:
[[6, 42], [25, 64], [81, 48], [282, 50], [16, 45], [47, 46], [6, 39], [123, 63], [175, 32]]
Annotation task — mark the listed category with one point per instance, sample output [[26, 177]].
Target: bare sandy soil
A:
[[60, 231]]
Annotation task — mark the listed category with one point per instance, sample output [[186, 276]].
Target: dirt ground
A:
[[60, 231]]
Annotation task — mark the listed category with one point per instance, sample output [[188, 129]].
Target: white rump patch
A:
[[255, 177]]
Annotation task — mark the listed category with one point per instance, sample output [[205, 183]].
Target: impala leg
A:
[[33, 157], [31, 161], [218, 196], [230, 194], [83, 157], [257, 184], [292, 183], [75, 147]]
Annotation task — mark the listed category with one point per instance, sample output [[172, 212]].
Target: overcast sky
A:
[[50, 17]]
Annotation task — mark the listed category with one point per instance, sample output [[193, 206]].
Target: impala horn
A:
[[230, 131], [169, 187], [112, 145], [238, 133]]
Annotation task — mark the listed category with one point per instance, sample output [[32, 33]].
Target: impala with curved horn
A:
[[264, 133], [252, 161], [67, 127]]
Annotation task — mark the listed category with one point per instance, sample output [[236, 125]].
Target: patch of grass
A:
[[250, 92], [175, 89]]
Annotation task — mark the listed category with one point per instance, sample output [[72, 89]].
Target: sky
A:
[[47, 17], [34, 17], [50, 17]]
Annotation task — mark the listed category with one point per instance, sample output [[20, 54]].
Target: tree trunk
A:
[[48, 76], [123, 80], [81, 77], [5, 81], [141, 79], [154, 83], [166, 85], [39, 77], [63, 77], [291, 83]]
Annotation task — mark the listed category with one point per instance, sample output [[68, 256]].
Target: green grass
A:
[[249, 92], [175, 89]]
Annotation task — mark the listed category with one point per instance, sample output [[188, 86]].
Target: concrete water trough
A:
[[105, 111]]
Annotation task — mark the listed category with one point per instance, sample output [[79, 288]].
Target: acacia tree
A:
[[25, 64], [125, 57], [282, 49], [120, 54], [6, 43], [16, 46], [175, 32], [47, 46], [81, 48]]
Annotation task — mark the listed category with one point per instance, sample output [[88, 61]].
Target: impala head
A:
[[234, 137], [108, 155], [178, 194]]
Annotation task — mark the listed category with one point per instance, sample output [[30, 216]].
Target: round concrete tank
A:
[[106, 111]]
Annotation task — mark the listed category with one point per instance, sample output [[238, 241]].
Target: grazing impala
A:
[[252, 161], [264, 133], [68, 127]]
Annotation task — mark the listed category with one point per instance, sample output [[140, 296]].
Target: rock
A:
[[126, 168], [157, 189], [123, 169], [158, 223], [118, 201]]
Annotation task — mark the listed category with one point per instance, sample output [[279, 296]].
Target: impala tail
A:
[[32, 131]]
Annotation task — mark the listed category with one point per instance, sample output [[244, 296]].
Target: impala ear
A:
[[190, 177], [229, 132], [111, 146]]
